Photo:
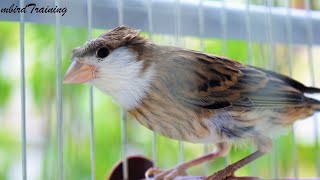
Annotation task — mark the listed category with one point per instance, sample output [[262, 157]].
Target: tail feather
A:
[[294, 83], [311, 90], [315, 104], [297, 85]]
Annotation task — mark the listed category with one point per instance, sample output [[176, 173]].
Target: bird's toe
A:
[[152, 172], [175, 173]]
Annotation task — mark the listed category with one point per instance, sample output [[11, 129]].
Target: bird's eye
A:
[[102, 52]]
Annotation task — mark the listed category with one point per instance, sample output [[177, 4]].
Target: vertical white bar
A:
[[178, 43], [201, 24], [201, 35], [290, 57], [181, 151], [177, 28], [224, 28], [269, 4], [289, 36], [250, 54], [271, 52], [224, 49], [92, 151], [124, 144], [23, 96], [59, 94], [248, 30], [123, 111], [312, 75], [154, 134]]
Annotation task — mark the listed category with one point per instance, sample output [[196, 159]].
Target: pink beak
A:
[[79, 73]]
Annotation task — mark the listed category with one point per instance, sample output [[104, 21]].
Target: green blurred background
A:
[[42, 121]]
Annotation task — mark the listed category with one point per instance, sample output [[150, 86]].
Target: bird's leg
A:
[[223, 149], [264, 147]]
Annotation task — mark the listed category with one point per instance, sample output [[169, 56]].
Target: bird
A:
[[192, 96]]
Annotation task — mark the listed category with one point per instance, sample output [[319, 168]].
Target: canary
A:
[[192, 96]]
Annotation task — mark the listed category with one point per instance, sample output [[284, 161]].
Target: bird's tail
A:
[[311, 90], [315, 103]]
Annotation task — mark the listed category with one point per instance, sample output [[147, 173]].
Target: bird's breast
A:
[[171, 120]]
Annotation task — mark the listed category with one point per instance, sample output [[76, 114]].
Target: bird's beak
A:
[[79, 73]]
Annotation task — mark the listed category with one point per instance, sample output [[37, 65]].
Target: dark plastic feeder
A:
[[137, 166]]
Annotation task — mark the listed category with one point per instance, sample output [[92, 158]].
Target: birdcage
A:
[[71, 135]]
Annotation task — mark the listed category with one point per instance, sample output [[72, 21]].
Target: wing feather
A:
[[214, 82]]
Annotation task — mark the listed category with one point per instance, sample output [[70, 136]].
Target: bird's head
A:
[[116, 63]]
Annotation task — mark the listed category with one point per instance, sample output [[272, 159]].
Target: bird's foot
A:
[[165, 175]]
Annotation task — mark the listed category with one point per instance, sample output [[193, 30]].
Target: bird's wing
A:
[[214, 82]]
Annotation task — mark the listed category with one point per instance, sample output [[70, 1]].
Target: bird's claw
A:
[[152, 172], [165, 175]]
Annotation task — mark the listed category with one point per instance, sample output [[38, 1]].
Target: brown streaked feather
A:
[[214, 82]]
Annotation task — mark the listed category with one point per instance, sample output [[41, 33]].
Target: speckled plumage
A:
[[193, 91], [194, 96]]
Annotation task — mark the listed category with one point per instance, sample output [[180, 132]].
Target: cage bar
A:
[[23, 95], [270, 34], [201, 24], [202, 48], [91, 97], [123, 111], [59, 95], [223, 23], [136, 12], [290, 57], [271, 52], [250, 54], [92, 144], [124, 143], [154, 134], [177, 35], [249, 34]]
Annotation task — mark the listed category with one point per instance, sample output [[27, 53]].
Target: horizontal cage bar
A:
[[136, 12]]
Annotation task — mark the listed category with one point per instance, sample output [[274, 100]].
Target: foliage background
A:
[[41, 109]]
